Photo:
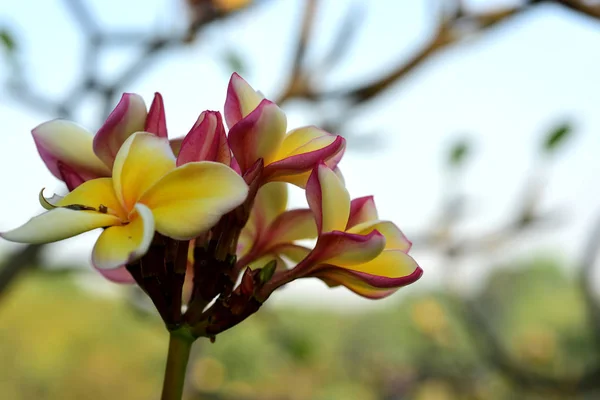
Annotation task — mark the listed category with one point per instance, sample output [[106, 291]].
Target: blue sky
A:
[[503, 89]]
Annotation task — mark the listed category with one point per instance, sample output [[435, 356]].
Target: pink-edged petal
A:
[[403, 271], [394, 238], [362, 210], [346, 249], [292, 252], [120, 245], [69, 176], [156, 121], [258, 135], [206, 141], [241, 100], [58, 224], [235, 166], [328, 199], [270, 201], [192, 198], [296, 168], [142, 161], [117, 275], [128, 117], [65, 143], [291, 226]]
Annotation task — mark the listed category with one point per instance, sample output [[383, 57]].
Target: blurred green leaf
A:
[[557, 136], [458, 152], [234, 61], [8, 40]]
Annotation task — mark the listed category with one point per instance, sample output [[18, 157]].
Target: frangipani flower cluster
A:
[[210, 210]]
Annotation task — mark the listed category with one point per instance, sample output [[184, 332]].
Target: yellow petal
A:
[[143, 159], [335, 201], [271, 200], [58, 224], [394, 238], [247, 98], [120, 245], [389, 264], [97, 193], [304, 140], [193, 197]]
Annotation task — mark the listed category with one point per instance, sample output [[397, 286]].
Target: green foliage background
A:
[[60, 341]]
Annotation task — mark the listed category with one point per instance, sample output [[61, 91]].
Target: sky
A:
[[503, 90]]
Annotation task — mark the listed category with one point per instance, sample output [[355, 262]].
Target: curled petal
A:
[[206, 141], [346, 249], [292, 252], [258, 135], [58, 224], [141, 162], [241, 100], [65, 143], [156, 121], [394, 238], [328, 199], [122, 244], [192, 198], [117, 275], [291, 226], [128, 117], [362, 210], [296, 166], [387, 273], [97, 194]]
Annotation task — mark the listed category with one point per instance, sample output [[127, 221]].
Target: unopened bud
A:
[[267, 272]]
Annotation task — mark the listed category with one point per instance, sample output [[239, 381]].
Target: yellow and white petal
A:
[[193, 197], [328, 198], [394, 238], [61, 141], [59, 224], [142, 161], [97, 193], [122, 244]]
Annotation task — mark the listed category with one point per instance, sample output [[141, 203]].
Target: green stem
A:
[[180, 344]]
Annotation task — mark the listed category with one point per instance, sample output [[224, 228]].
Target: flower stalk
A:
[[180, 344]]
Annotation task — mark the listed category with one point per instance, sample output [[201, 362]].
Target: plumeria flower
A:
[[74, 155], [257, 129], [272, 231], [354, 248], [146, 193], [201, 224]]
